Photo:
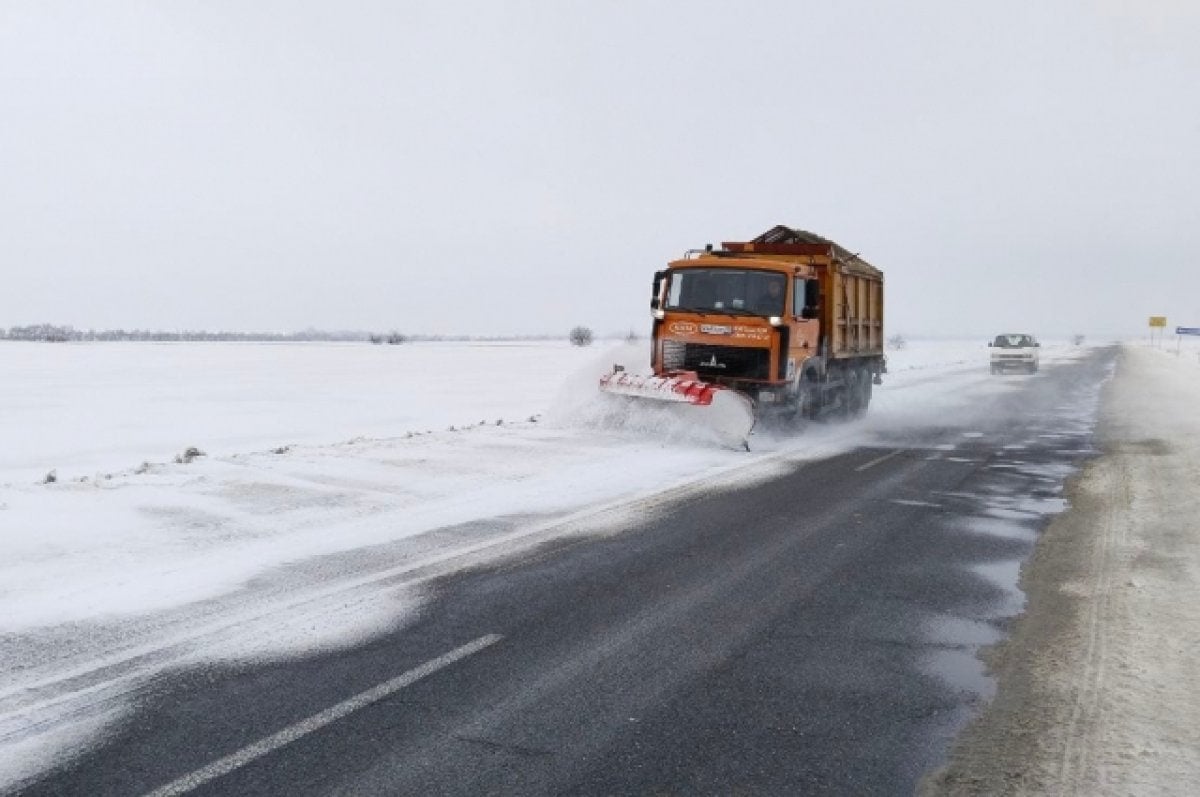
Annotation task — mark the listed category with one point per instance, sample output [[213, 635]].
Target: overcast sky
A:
[[522, 167]]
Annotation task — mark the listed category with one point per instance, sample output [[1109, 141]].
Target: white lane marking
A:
[[224, 766], [907, 502], [877, 460]]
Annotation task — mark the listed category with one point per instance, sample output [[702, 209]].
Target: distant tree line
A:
[[56, 333], [391, 338]]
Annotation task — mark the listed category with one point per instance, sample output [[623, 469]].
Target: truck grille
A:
[[713, 361]]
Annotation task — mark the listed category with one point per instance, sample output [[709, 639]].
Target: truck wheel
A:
[[790, 416], [839, 403], [843, 398], [858, 389], [807, 400]]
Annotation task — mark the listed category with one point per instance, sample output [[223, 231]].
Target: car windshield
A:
[[728, 290], [1013, 341]]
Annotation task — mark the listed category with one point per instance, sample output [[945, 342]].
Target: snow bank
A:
[[91, 408]]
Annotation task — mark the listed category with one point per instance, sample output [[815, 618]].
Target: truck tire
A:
[[791, 415], [808, 392], [858, 391], [841, 395]]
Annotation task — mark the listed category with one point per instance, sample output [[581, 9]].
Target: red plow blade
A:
[[728, 414]]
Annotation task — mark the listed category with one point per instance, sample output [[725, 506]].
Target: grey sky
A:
[[521, 167]]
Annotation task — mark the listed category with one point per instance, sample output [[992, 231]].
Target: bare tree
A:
[[581, 336]]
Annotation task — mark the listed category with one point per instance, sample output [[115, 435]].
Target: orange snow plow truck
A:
[[787, 326]]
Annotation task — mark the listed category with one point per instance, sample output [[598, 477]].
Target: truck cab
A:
[[746, 323], [1014, 351]]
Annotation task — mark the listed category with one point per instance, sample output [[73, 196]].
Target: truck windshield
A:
[[1013, 341], [727, 290]]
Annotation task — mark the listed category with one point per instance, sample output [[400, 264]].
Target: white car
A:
[[1015, 351]]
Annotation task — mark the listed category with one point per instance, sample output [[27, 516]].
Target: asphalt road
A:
[[812, 633]]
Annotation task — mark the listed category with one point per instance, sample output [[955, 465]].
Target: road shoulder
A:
[[1095, 684]]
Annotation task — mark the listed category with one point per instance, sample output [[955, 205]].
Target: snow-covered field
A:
[[328, 470]]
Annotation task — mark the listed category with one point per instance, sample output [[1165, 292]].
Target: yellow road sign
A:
[[1158, 320]]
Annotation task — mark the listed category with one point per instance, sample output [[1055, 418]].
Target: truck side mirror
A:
[[656, 290]]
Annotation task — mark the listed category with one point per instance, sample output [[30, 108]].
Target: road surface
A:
[[814, 632]]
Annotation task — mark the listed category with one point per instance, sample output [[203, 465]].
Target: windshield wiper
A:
[[707, 311], [737, 311], [695, 310]]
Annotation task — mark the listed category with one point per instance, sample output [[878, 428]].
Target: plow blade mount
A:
[[724, 412]]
